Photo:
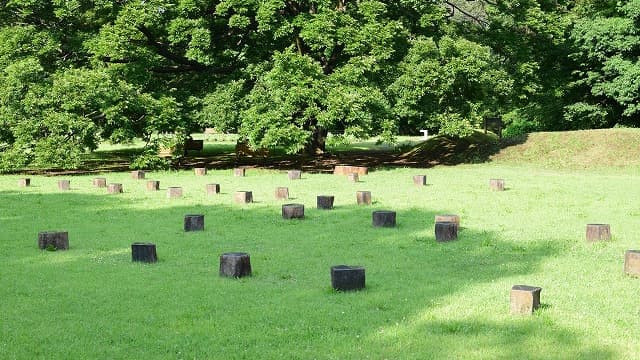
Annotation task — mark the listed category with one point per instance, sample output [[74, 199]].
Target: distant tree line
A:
[[286, 73]]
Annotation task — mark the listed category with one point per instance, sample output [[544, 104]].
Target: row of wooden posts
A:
[[524, 299]]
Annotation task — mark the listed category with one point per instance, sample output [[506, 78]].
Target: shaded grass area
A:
[[423, 299]]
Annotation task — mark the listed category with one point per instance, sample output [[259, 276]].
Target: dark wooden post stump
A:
[[325, 202], [598, 232], [24, 182], [213, 189], [496, 184], [99, 182], [294, 174], [363, 197], [153, 185], [174, 192], [143, 252], [346, 278], [632, 262], [137, 174], [446, 231], [200, 171], [384, 218], [235, 264], [420, 180], [238, 172], [243, 197], [194, 223], [525, 299], [353, 177], [58, 240], [293, 211], [448, 218], [282, 193], [114, 188], [64, 185]]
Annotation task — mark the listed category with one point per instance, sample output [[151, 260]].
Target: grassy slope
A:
[[583, 149]]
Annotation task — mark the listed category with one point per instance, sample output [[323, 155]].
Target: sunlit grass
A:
[[423, 299]]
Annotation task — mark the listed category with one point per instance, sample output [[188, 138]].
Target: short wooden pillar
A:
[[114, 188], [174, 192], [598, 232], [24, 182], [153, 185], [525, 299], [325, 202], [64, 185], [200, 171], [213, 189], [294, 174], [346, 278], [238, 172], [363, 197], [99, 182], [448, 218], [143, 252], [137, 174], [353, 177], [194, 223], [293, 211], [243, 197], [632, 262], [384, 218], [346, 170], [446, 231], [235, 264], [282, 193], [496, 184], [53, 240], [420, 180]]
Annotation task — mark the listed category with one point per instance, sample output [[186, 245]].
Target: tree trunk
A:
[[317, 143]]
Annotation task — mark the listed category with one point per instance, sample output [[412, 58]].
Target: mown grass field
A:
[[423, 299]]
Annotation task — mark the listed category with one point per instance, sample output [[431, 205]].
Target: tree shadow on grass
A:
[[286, 309]]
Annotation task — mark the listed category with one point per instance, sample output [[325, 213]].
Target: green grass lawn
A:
[[423, 299]]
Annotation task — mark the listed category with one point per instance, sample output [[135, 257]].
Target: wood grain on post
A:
[[235, 264], [174, 192], [213, 189], [143, 252], [239, 172], [384, 218], [363, 197], [496, 184], [137, 174], [282, 193], [99, 182], [325, 202], [525, 299], [598, 232], [153, 185], [293, 211], [200, 171], [194, 222], [114, 188], [420, 180], [64, 185], [294, 174], [243, 197], [446, 231], [632, 262], [347, 278], [58, 240], [448, 218]]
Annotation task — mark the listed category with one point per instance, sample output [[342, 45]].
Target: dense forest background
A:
[[285, 73]]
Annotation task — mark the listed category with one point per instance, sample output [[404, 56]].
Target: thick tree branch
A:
[[163, 50], [475, 18]]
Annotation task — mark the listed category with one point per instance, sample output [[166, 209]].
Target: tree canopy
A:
[[287, 73]]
